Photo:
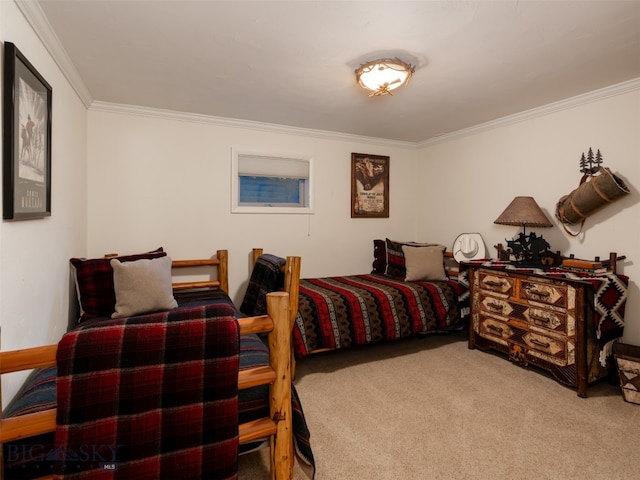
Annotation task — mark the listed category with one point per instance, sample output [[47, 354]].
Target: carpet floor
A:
[[430, 408]]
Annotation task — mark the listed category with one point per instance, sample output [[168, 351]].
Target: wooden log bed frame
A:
[[277, 324]]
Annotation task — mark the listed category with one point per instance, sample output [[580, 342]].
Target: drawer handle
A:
[[539, 293], [493, 283], [535, 341], [495, 306], [539, 318], [491, 326]]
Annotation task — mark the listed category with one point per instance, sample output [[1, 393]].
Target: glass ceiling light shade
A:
[[525, 212], [382, 76]]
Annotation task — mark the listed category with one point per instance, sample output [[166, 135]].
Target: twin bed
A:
[[145, 363], [413, 289]]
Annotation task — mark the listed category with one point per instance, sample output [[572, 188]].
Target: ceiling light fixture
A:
[[382, 76]]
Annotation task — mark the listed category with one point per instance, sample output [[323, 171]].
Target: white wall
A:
[[165, 180], [538, 156], [34, 254], [162, 179]]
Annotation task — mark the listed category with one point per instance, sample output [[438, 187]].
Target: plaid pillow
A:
[[94, 283], [396, 265]]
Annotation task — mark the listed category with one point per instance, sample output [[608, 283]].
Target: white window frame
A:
[[279, 168]]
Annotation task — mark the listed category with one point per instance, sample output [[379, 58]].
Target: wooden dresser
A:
[[546, 322]]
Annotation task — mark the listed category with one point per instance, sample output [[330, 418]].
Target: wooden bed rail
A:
[[451, 267], [220, 262], [24, 426]]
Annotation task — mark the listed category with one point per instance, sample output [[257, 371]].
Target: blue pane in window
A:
[[269, 190]]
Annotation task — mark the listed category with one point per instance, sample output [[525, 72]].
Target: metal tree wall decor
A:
[[590, 165]]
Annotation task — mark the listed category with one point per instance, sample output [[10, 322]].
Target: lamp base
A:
[[528, 248]]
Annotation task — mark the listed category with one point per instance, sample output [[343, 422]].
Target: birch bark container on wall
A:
[[594, 192]]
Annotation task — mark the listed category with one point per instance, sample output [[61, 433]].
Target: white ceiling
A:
[[292, 63]]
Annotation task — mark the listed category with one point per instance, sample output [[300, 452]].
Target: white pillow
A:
[[424, 263], [142, 286]]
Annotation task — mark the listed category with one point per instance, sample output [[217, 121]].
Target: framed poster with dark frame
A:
[[369, 186], [26, 139]]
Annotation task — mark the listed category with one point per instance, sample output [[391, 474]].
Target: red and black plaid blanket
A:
[[148, 397], [339, 312]]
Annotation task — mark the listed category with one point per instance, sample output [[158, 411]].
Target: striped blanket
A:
[[340, 312], [152, 396]]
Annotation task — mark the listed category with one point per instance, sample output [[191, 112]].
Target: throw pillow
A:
[[424, 263], [395, 257], [142, 286], [94, 283]]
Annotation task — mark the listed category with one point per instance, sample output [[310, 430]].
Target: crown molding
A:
[[237, 123], [40, 24], [571, 102]]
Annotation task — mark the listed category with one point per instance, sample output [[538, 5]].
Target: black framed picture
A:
[[26, 139], [369, 186]]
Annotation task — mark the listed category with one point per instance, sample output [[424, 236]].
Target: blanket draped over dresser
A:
[[151, 396]]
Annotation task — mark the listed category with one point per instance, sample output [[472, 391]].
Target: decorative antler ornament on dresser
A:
[[598, 187]]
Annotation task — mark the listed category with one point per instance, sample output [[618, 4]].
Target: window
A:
[[266, 183]]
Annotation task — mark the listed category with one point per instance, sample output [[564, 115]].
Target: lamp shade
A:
[[523, 212]]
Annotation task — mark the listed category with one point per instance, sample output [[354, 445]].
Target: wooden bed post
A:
[[223, 270], [292, 286], [280, 390], [255, 253]]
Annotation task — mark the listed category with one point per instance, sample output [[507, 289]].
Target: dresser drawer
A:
[[496, 282], [495, 330], [492, 305], [547, 293], [553, 320], [556, 350], [552, 349]]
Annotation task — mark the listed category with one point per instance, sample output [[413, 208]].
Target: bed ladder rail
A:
[[253, 377], [278, 427]]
